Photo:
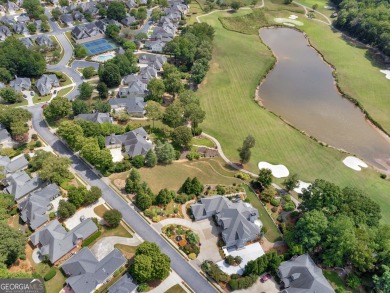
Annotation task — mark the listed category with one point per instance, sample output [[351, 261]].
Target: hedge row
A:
[[50, 274], [91, 239]]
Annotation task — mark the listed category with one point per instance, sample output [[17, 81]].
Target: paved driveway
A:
[[208, 234], [270, 286], [87, 212], [105, 245]]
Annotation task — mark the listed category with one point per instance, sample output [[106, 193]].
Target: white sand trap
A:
[[386, 73], [289, 24], [278, 171], [354, 163], [302, 185], [283, 20], [292, 16]]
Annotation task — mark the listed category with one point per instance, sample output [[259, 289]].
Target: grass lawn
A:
[[204, 141], [127, 250], [120, 231], [321, 5], [335, 280], [173, 176], [62, 51], [65, 91], [38, 99], [195, 10], [23, 103], [13, 221], [176, 289], [230, 85], [100, 210], [54, 285]]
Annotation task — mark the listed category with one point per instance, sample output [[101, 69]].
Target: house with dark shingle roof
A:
[[153, 60], [4, 32], [77, 15], [34, 209], [4, 135], [57, 243], [136, 88], [135, 142], [135, 106], [21, 184], [8, 20], [44, 40], [128, 20], [23, 17], [125, 284], [20, 84], [147, 73], [86, 273], [38, 24], [66, 19], [27, 42], [11, 7], [46, 83], [20, 28], [155, 46], [301, 275], [238, 220], [16, 164], [95, 117]]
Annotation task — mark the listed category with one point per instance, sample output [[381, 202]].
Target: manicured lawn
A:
[[173, 176], [39, 99], [176, 289], [65, 91], [195, 10], [202, 141], [127, 250], [23, 103], [54, 285], [321, 5], [230, 85], [100, 210], [335, 280], [14, 221]]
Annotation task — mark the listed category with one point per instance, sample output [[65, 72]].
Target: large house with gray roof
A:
[[46, 83], [4, 32], [20, 84], [136, 87], [238, 220], [135, 106], [301, 275], [153, 60], [95, 117], [135, 142], [20, 184], [86, 273], [11, 166], [44, 40], [33, 211], [4, 135], [57, 243], [125, 284], [90, 31]]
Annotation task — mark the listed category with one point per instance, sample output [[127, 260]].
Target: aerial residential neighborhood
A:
[[181, 146]]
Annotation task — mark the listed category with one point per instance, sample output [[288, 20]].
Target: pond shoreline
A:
[[372, 123]]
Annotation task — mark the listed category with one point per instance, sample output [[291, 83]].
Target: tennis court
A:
[[99, 46]]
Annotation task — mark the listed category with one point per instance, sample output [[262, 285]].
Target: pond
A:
[[302, 90]]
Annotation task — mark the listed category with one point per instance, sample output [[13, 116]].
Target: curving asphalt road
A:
[[130, 216]]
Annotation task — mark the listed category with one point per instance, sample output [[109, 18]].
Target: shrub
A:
[[275, 202], [230, 260], [192, 156], [294, 214], [8, 152], [215, 272], [264, 229], [112, 217], [38, 144], [143, 287], [182, 242], [383, 176], [138, 161], [52, 215], [289, 206], [34, 136], [50, 274], [192, 256], [196, 131], [274, 209], [91, 239], [156, 219], [353, 281], [242, 176]]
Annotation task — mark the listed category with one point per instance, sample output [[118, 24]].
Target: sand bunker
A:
[[354, 163], [386, 73], [292, 16], [278, 171], [302, 185], [289, 24], [288, 20]]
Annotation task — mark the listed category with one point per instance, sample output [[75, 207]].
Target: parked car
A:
[[55, 91], [44, 106], [32, 93], [82, 218], [24, 96], [265, 278]]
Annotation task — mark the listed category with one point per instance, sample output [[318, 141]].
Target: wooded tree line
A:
[[341, 227], [16, 59], [192, 50], [367, 20]]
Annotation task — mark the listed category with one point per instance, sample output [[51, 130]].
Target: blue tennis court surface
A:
[[99, 46]]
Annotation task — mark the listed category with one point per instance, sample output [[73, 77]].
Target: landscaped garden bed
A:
[[219, 189], [185, 238], [158, 213]]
